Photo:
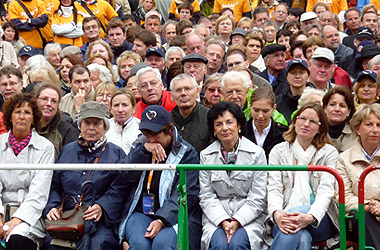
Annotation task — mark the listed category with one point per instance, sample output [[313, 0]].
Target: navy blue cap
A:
[[271, 48], [155, 50], [366, 73], [28, 50], [369, 51], [154, 118], [296, 62], [364, 32]]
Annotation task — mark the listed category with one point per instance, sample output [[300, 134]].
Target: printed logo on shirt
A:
[[230, 5]]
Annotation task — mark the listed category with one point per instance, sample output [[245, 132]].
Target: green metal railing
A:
[[361, 213], [183, 234]]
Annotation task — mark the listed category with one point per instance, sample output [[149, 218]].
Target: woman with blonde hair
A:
[[100, 47], [125, 62], [144, 7], [366, 87], [245, 23], [104, 93], [224, 27]]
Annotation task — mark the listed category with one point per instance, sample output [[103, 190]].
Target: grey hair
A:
[[51, 46], [104, 73], [201, 25], [307, 93], [174, 49], [236, 76], [217, 42], [36, 62], [166, 24], [375, 60], [268, 23], [144, 70], [182, 77], [217, 77], [314, 26]]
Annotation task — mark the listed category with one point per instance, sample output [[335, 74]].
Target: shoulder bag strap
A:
[[30, 16], [88, 177], [91, 13]]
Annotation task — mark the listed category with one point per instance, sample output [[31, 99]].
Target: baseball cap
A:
[[28, 51], [238, 31], [155, 50], [364, 32], [154, 118], [322, 52], [295, 62], [366, 73], [308, 16]]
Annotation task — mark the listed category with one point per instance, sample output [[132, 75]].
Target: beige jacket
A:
[[346, 140], [351, 164], [67, 103]]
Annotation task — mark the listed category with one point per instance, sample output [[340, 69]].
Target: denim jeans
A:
[[239, 240], [136, 229], [303, 239]]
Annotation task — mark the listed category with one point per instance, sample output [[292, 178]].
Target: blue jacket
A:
[[181, 153], [111, 186]]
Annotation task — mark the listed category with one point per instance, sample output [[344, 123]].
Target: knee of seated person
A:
[[305, 240]]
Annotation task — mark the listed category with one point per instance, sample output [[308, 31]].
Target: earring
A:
[[214, 133], [239, 131]]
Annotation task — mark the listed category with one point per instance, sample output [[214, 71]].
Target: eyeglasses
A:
[[145, 85], [185, 89], [10, 84], [233, 92], [303, 119], [218, 57], [46, 99]]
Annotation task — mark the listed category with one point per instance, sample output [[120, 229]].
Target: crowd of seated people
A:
[[261, 82]]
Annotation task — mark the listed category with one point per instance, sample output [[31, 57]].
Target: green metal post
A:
[[183, 229], [183, 237]]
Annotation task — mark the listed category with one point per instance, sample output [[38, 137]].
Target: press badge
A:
[[148, 204]]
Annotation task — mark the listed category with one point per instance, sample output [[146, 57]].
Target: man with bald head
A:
[[195, 44], [331, 38]]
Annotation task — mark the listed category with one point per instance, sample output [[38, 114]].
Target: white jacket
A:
[[123, 137], [28, 189], [240, 195], [280, 182]]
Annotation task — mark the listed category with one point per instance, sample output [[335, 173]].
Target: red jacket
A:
[[342, 78], [165, 102]]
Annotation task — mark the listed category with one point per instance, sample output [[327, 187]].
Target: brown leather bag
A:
[[71, 224]]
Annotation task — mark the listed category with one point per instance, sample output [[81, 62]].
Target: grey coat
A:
[[28, 189], [240, 195]]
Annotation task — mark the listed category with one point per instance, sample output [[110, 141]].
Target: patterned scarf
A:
[[91, 146], [229, 157], [19, 146]]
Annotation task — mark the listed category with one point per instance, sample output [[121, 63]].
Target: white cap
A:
[[325, 53], [308, 16]]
